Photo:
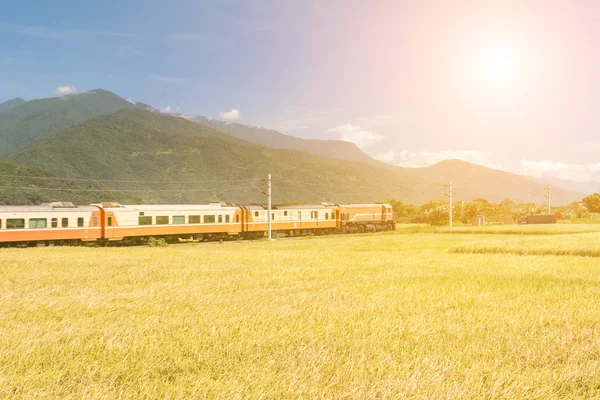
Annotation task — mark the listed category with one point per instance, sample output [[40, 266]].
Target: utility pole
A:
[[449, 195], [269, 207], [548, 196]]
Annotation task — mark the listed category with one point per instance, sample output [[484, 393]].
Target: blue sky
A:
[[511, 85]]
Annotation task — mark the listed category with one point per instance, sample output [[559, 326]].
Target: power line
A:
[[121, 181], [118, 190]]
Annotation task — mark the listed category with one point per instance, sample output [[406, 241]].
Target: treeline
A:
[[507, 211]]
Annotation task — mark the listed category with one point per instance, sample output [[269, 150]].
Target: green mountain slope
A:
[[171, 159], [159, 158], [25, 123], [7, 105], [26, 185], [494, 185], [267, 137]]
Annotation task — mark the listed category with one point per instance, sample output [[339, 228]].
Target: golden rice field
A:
[[420, 313]]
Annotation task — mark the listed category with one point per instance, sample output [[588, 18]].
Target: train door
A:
[[109, 224]]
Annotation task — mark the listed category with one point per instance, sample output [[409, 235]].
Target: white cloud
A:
[[388, 158], [63, 90], [357, 135], [168, 109], [557, 169], [129, 99], [418, 159], [232, 115]]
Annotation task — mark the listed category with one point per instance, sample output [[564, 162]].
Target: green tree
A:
[[436, 215], [592, 202]]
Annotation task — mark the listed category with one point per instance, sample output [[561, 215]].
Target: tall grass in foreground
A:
[[372, 316]]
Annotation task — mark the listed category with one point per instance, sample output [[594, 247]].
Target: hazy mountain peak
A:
[[7, 105]]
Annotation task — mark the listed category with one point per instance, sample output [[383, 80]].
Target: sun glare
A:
[[498, 66]]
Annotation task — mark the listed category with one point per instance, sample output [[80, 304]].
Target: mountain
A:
[[472, 180], [7, 105], [170, 159], [21, 184], [99, 135], [582, 187], [338, 149], [25, 123]]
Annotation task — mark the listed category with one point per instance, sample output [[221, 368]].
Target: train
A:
[[63, 223]]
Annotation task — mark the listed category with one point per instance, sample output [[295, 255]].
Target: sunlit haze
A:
[[506, 84]]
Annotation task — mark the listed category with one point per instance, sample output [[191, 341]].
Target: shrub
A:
[[153, 242]]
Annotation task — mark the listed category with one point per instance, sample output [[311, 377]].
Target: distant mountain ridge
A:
[[582, 187], [338, 149], [7, 105], [493, 185], [24, 123]]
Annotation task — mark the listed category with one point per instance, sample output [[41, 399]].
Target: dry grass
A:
[[371, 316], [551, 229], [583, 245]]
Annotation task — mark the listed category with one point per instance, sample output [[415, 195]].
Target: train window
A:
[[15, 223], [95, 221], [145, 220], [209, 219], [55, 222], [141, 213], [194, 219], [314, 214], [220, 218], [326, 215], [64, 222], [299, 215], [162, 220], [256, 213], [227, 218], [36, 223], [109, 221], [237, 217], [272, 216], [285, 213], [0, 224], [79, 222], [178, 219]]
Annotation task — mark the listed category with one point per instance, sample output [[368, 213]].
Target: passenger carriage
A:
[[198, 222], [49, 224]]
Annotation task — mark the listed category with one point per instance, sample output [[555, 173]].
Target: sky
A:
[[513, 85]]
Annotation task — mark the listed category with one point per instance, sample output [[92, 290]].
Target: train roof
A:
[[291, 207], [169, 207], [46, 208], [305, 206], [363, 205]]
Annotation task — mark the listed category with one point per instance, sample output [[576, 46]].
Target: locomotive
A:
[[60, 223]]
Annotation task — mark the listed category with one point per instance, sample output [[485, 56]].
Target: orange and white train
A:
[[65, 223]]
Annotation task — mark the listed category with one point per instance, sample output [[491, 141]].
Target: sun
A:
[[498, 65]]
